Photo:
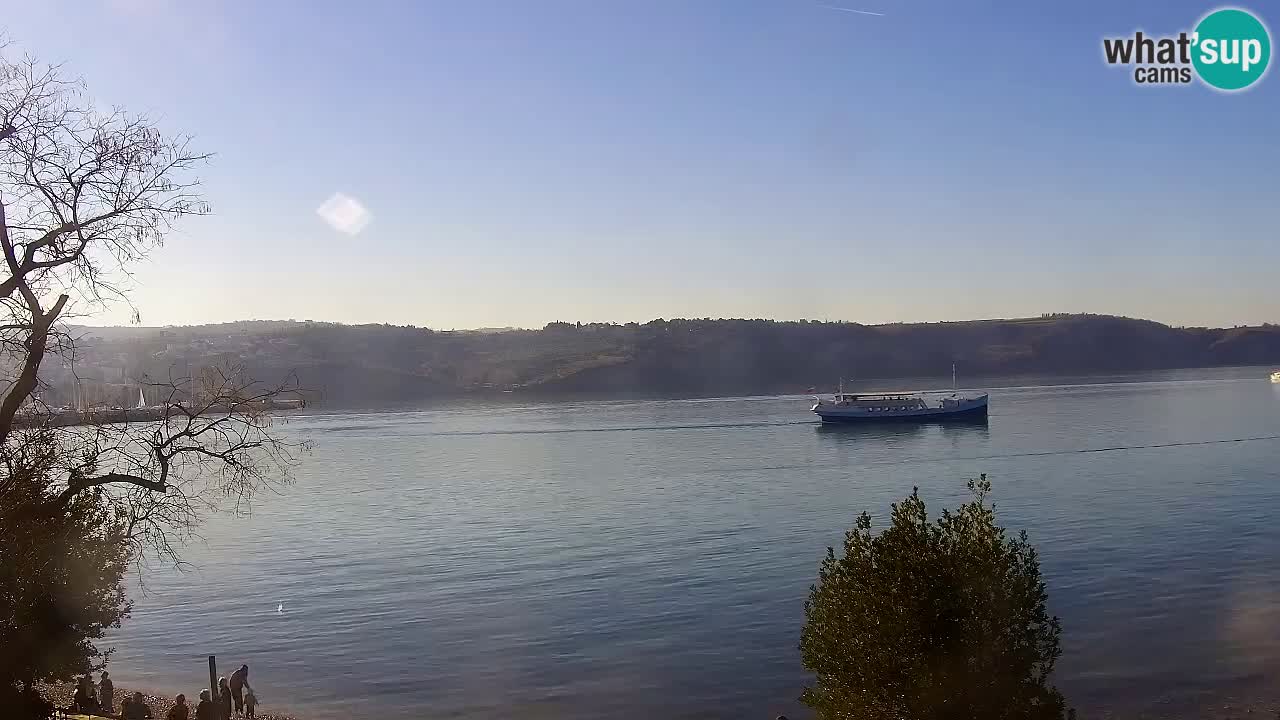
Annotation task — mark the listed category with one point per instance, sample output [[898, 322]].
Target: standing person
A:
[[179, 711], [85, 699], [224, 698], [250, 702], [107, 693], [80, 700], [135, 708], [239, 681], [206, 710]]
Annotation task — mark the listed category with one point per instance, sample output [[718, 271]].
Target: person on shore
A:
[[224, 697], [250, 702], [135, 708], [179, 711], [106, 694], [206, 710], [79, 698], [84, 700], [239, 682]]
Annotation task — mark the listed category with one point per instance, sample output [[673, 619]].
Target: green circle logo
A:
[[1231, 49]]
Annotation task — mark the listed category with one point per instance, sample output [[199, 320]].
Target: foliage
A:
[[84, 194], [61, 570], [932, 621], [24, 703], [378, 365]]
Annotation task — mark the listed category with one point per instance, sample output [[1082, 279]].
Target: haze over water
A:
[[647, 559]]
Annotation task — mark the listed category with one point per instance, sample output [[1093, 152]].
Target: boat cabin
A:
[[880, 402]]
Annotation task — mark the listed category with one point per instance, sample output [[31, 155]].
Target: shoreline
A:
[[925, 383], [60, 695]]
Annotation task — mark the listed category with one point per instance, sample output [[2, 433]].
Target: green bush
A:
[[61, 582], [932, 621]]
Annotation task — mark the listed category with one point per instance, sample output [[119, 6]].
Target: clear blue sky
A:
[[599, 160]]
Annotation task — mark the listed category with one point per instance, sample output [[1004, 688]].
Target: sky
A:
[[524, 161]]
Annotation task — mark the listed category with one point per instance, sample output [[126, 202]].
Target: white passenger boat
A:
[[909, 406], [904, 406], [1275, 377]]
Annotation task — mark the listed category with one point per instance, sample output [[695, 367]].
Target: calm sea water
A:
[[651, 559]]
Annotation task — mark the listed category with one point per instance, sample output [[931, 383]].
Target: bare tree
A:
[[84, 194]]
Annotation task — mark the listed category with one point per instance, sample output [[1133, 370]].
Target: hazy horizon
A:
[[522, 163], [1006, 318]]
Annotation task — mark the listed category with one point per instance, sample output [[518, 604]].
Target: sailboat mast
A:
[[953, 376]]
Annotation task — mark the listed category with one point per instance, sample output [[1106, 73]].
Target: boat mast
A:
[[953, 376]]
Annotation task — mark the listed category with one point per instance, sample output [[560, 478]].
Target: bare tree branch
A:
[[84, 194], [79, 484]]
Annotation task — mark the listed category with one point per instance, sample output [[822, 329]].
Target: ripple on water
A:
[[629, 559]]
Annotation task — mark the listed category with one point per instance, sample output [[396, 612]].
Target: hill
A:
[[384, 365]]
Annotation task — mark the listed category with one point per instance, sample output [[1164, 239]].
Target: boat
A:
[[1275, 377], [907, 406], [903, 405]]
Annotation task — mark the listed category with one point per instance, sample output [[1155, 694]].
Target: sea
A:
[[645, 558]]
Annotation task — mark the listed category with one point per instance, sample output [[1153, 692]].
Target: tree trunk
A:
[[27, 379]]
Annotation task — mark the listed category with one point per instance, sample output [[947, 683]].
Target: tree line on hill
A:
[[384, 365]]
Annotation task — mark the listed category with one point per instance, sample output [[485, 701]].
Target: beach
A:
[[60, 695]]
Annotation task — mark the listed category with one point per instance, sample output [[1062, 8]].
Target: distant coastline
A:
[[384, 366], [497, 399]]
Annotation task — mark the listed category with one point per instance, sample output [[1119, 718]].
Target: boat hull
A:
[[976, 411]]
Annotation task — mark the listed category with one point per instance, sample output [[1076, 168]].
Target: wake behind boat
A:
[[901, 406]]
